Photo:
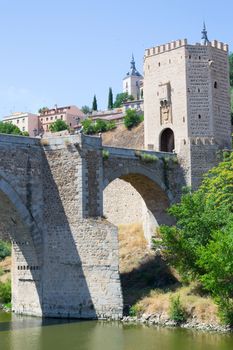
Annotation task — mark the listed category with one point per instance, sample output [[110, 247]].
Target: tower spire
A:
[[204, 37], [133, 67]]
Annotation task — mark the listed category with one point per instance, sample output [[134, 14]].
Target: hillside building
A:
[[71, 115], [26, 122]]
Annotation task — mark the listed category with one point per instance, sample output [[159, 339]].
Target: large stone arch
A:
[[152, 190], [17, 223]]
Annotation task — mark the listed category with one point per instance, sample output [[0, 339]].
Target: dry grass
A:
[[141, 271], [122, 137], [197, 307], [44, 142], [132, 246], [5, 265]]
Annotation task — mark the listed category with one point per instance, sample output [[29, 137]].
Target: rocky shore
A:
[[159, 320]]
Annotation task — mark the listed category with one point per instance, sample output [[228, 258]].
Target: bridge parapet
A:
[[134, 153]]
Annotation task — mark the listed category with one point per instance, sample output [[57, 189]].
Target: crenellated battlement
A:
[[166, 47], [156, 50], [219, 45]]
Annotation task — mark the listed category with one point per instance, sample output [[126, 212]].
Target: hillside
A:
[[148, 284], [122, 137]]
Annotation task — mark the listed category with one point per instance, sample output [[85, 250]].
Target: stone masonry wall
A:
[[81, 255]]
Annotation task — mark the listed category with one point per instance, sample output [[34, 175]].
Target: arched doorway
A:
[[167, 142]]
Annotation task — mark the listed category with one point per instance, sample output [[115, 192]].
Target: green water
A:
[[27, 333]]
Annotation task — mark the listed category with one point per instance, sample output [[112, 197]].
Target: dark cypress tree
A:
[[110, 99], [94, 104]]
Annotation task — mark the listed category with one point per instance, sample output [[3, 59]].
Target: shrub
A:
[[105, 154], [176, 310], [93, 127], [148, 158], [132, 118], [9, 128], [44, 142], [88, 126], [5, 292], [135, 310], [5, 249], [225, 310], [58, 125]]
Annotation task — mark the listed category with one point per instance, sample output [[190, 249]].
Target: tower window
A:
[[190, 56], [199, 116], [159, 64], [215, 85], [169, 61], [198, 90], [199, 57]]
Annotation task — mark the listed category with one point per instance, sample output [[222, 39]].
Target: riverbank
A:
[[149, 286], [157, 320]]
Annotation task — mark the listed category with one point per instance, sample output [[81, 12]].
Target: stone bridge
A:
[[65, 254]]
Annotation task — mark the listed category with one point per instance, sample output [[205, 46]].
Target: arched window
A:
[[167, 143]]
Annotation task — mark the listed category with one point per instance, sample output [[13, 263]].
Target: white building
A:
[[26, 122]]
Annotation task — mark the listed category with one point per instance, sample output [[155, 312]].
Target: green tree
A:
[[9, 128], [43, 110], [132, 118], [200, 245], [96, 126], [110, 99], [58, 125], [5, 249], [121, 98], [94, 104], [85, 109]]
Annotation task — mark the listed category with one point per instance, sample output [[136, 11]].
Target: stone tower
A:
[[187, 103], [131, 83]]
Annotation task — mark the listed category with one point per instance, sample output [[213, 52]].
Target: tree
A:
[[122, 97], [94, 104], [86, 110], [95, 126], [58, 125], [132, 118], [200, 245], [43, 110], [110, 99], [9, 128]]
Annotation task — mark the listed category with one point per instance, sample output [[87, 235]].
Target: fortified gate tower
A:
[[187, 102]]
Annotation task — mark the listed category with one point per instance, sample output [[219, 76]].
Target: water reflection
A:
[[28, 333]]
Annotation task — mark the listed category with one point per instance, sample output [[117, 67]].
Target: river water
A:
[[29, 333]]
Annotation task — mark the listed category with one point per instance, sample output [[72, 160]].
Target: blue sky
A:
[[65, 51]]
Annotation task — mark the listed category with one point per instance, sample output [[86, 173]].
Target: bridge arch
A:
[[155, 196], [17, 223]]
